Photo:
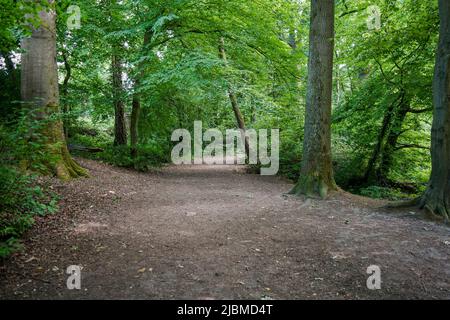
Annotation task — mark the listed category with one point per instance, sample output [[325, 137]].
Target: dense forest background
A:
[[133, 71]]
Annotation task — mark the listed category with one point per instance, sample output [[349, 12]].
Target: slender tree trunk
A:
[[436, 198], [136, 105], [292, 41], [120, 132], [134, 133], [65, 93], [371, 172], [316, 175], [234, 102], [39, 86], [391, 143]]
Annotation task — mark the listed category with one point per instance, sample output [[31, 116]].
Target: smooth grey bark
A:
[[39, 90], [316, 175]]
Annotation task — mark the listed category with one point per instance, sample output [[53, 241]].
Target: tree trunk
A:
[[234, 102], [65, 94], [316, 175], [120, 132], [134, 133], [391, 143], [292, 41], [371, 172], [436, 198], [39, 86], [136, 105]]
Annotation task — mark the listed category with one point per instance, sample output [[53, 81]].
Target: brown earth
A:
[[216, 232]]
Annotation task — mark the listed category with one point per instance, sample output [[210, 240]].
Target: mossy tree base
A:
[[40, 92], [61, 164], [66, 168], [314, 186]]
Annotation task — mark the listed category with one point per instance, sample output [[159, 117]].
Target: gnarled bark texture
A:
[[436, 198], [39, 89], [316, 175]]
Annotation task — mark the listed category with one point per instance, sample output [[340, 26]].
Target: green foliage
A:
[[149, 157], [10, 93], [16, 17], [150, 154], [21, 199], [378, 192], [22, 196], [377, 74], [23, 142], [384, 84]]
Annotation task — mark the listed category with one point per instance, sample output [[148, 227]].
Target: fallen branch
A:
[[73, 147]]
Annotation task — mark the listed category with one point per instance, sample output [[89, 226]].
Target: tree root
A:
[[436, 210], [66, 168], [435, 207], [402, 204]]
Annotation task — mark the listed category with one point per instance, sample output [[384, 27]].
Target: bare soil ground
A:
[[215, 232]]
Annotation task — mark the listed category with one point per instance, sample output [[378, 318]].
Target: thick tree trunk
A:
[[136, 105], [436, 198], [39, 86], [120, 131], [316, 175], [234, 102]]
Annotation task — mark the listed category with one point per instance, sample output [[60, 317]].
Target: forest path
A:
[[215, 232]]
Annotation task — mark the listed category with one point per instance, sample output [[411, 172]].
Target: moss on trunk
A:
[[40, 92], [316, 175], [60, 161], [314, 184]]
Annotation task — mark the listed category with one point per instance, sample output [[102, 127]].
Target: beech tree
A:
[[39, 90], [316, 174], [436, 198]]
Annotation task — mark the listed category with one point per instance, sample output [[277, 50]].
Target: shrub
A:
[[149, 156], [21, 196], [21, 199]]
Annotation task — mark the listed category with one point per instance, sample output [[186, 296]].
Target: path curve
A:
[[215, 232]]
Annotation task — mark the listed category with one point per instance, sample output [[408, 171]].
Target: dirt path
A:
[[199, 232]]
